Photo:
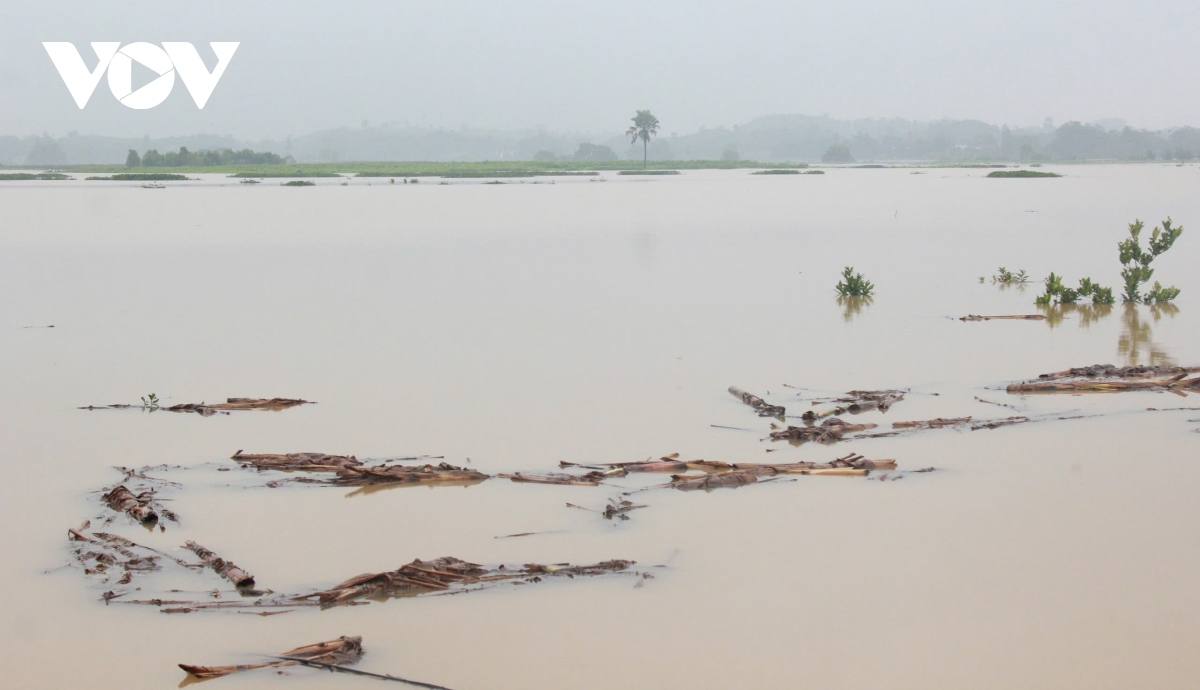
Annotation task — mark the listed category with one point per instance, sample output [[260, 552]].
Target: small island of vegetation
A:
[[1021, 173], [138, 177], [34, 176], [286, 173]]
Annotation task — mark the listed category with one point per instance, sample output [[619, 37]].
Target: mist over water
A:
[[582, 67]]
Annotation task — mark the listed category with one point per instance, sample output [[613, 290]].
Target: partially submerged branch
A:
[[557, 478], [234, 404], [314, 462], [851, 461], [1015, 317], [224, 568], [1113, 371], [442, 473], [1176, 382], [932, 423], [210, 409], [344, 650], [762, 407], [350, 471]]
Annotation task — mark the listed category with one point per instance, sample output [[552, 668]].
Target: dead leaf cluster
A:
[[831, 430], [1111, 378], [448, 574], [856, 402], [344, 650]]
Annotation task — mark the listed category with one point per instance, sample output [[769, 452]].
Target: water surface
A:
[[519, 325]]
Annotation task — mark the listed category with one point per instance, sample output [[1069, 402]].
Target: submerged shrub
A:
[[1058, 293], [854, 284]]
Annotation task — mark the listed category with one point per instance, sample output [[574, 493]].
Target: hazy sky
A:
[[570, 65]]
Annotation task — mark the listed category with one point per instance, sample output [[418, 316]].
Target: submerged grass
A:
[[648, 172], [298, 183], [139, 177], [1021, 173]]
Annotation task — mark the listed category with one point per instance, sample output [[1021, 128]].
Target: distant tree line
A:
[[212, 157], [1077, 141], [585, 152], [799, 138]]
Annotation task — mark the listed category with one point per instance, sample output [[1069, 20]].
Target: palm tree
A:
[[645, 125]]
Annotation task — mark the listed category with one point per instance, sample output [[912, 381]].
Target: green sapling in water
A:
[[854, 284], [1137, 261]]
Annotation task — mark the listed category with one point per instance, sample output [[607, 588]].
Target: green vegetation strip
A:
[[439, 168], [285, 173], [34, 176], [139, 177], [787, 171], [648, 172], [496, 173], [298, 183], [1021, 173]]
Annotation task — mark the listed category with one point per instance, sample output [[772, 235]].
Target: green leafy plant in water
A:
[[1058, 293], [854, 284], [150, 402], [1007, 277], [1137, 261]]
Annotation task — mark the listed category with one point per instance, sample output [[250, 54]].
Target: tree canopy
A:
[[645, 125]]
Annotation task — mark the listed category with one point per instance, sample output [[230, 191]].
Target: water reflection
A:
[[851, 306], [1087, 314], [1013, 285], [1138, 338], [1136, 343]]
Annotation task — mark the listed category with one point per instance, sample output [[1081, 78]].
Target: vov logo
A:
[[164, 61]]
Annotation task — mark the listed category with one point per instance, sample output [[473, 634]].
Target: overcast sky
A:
[[568, 65]]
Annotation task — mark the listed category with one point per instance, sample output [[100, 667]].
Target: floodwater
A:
[[508, 327]]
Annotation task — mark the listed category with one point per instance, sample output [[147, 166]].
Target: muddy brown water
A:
[[519, 325]]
